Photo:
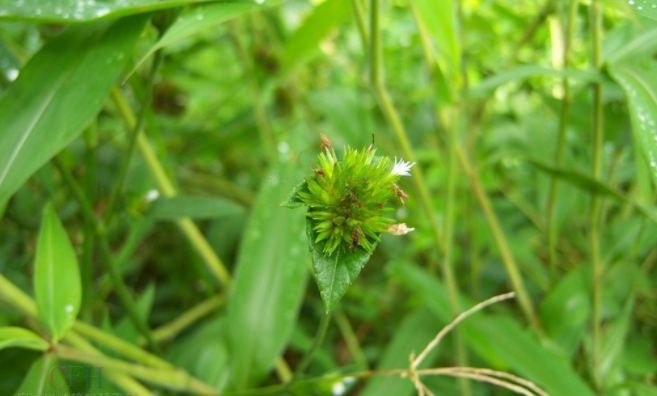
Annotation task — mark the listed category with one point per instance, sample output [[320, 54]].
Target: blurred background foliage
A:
[[237, 105]]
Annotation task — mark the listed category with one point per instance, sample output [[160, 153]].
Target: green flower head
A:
[[348, 199]]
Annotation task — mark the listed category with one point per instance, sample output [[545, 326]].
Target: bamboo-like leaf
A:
[[320, 22], [18, 337], [57, 94], [175, 208], [270, 280], [638, 77], [202, 18], [73, 11], [44, 378], [57, 285]]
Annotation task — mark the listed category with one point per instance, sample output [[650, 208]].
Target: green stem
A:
[[359, 15], [553, 235], [594, 218], [110, 265], [87, 265], [319, 338], [264, 128], [350, 338], [176, 379], [193, 315], [134, 132], [166, 187]]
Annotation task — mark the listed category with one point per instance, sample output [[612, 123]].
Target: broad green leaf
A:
[[566, 309], [647, 8], [57, 94], [18, 337], [587, 183], [486, 87], [321, 21], [638, 77], [175, 208], [44, 378], [77, 11], [439, 19], [334, 273], [497, 338], [204, 17], [414, 333], [269, 282], [629, 40], [57, 285]]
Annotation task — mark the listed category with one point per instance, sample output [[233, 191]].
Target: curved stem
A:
[[110, 265]]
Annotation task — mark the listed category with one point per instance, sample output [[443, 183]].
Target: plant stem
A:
[[189, 229], [561, 142], [264, 128], [171, 378], [134, 132], [99, 230], [350, 338], [319, 338], [87, 265], [598, 137]]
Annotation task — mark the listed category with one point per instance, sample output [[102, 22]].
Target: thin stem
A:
[[319, 338], [264, 128], [359, 15], [193, 315], [110, 265], [166, 187], [553, 236], [598, 137], [87, 265], [350, 338], [134, 132], [416, 362], [170, 378]]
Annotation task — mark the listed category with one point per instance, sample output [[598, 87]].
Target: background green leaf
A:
[[57, 285], [57, 94], [174, 208], [270, 280], [18, 337], [44, 378]]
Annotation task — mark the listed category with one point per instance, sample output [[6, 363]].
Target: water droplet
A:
[[69, 308], [101, 12], [58, 10], [199, 17], [259, 1], [631, 2], [12, 74], [283, 147], [640, 8]]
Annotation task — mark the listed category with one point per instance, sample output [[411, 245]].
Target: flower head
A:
[[402, 168], [347, 198]]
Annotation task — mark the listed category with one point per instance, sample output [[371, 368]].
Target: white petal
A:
[[400, 229], [402, 168]]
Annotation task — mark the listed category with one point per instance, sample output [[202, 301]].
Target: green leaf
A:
[[57, 94], [44, 378], [414, 333], [204, 17], [486, 87], [497, 338], [613, 341], [269, 282], [647, 8], [638, 77], [629, 40], [175, 208], [18, 337], [443, 30], [334, 273], [587, 183], [57, 285], [72, 11], [321, 21], [293, 201]]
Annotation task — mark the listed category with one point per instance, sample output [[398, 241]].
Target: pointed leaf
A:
[[175, 208], [18, 337], [269, 281], [57, 284], [334, 273], [57, 94], [292, 200], [44, 378]]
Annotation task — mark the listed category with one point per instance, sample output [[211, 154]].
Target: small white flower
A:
[[399, 229], [151, 195], [402, 168]]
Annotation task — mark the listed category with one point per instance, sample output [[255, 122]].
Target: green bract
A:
[[347, 199]]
